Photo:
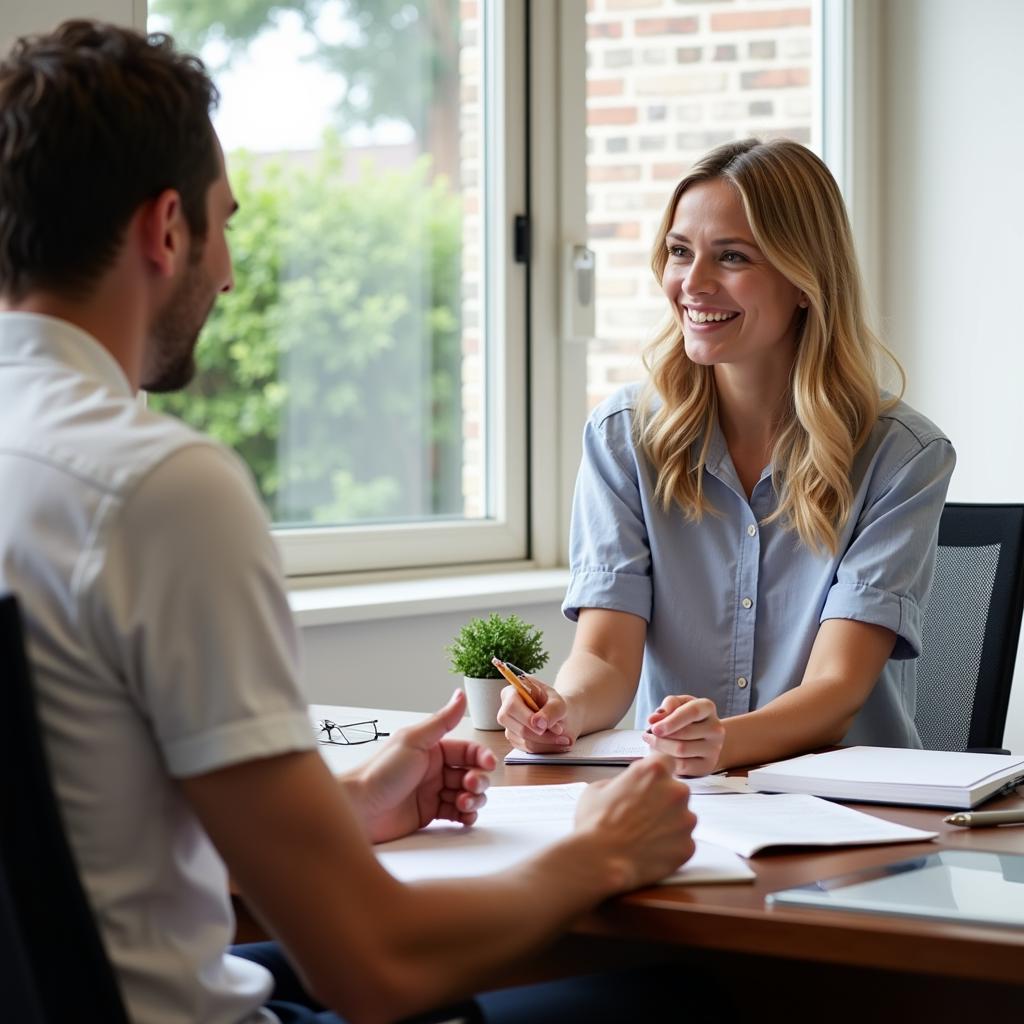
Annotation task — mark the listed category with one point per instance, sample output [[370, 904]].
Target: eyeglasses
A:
[[349, 733]]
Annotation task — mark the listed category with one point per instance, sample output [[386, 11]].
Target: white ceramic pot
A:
[[484, 699]]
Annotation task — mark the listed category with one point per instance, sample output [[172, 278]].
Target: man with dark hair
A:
[[164, 654]]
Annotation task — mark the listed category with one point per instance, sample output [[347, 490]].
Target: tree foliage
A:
[[333, 367], [398, 58]]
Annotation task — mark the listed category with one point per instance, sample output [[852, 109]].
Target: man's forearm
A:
[[440, 941]]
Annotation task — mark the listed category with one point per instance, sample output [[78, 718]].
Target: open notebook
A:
[[610, 746]]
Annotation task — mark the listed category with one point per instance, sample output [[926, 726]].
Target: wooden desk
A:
[[835, 965]]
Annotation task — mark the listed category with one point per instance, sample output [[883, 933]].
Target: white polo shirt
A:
[[162, 647]]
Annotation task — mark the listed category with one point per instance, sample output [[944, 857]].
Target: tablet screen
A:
[[968, 886]]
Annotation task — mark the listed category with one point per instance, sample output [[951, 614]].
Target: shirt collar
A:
[[33, 337], [718, 452], [719, 463]]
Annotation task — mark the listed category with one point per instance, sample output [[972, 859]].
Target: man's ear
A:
[[163, 232]]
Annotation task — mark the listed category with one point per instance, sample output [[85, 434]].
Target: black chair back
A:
[[971, 628], [62, 948], [19, 999]]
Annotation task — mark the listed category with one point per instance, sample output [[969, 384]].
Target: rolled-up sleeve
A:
[[885, 576], [610, 558]]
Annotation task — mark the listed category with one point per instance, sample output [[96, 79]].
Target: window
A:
[[368, 365]]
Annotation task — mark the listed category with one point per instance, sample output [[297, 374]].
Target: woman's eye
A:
[[678, 251], [733, 257]]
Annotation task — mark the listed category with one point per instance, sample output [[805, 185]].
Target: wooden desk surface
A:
[[733, 918]]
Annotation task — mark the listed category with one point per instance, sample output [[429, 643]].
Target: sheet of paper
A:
[[711, 863], [518, 821], [750, 822]]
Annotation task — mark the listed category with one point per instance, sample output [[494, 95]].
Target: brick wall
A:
[[666, 81]]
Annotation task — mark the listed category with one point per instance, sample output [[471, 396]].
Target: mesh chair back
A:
[[61, 944], [971, 627]]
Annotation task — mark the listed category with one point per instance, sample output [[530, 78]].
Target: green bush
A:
[[334, 365], [507, 639]]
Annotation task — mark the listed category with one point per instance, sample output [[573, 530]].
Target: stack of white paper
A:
[[932, 778]]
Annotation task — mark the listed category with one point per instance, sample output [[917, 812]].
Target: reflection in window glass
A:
[[668, 80], [345, 367]]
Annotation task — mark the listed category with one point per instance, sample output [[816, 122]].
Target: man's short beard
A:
[[170, 363]]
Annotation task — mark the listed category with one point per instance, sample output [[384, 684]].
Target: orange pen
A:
[[521, 685]]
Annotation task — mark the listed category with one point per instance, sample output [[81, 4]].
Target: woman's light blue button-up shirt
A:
[[733, 606]]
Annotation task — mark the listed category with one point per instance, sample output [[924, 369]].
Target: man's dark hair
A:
[[94, 121]]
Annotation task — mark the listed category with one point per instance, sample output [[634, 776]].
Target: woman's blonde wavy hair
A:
[[799, 222]]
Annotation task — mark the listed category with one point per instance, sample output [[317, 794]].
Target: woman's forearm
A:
[[597, 693], [845, 662], [599, 678], [807, 718]]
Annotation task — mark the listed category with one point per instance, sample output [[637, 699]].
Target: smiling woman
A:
[[734, 309], [754, 529], [771, 244]]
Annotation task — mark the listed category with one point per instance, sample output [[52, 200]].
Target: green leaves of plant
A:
[[508, 639]]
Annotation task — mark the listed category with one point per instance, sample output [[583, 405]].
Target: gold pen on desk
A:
[[520, 683], [980, 819]]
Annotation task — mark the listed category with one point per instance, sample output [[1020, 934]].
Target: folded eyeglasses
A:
[[349, 733]]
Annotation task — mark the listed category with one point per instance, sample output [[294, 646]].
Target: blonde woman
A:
[[754, 529]]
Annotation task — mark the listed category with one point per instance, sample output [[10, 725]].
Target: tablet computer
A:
[[967, 886]]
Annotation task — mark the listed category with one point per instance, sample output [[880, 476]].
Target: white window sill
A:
[[389, 599]]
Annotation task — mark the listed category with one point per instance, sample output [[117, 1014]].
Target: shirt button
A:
[[747, 603], [751, 530], [742, 682]]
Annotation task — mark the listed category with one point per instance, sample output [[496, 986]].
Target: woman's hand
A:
[[420, 774], [536, 731], [689, 730]]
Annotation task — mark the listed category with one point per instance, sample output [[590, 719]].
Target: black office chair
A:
[[971, 628], [18, 995], [65, 966]]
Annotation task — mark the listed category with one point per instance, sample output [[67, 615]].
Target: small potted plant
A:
[[507, 638]]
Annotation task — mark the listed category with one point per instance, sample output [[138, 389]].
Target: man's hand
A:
[[419, 775], [689, 730], [640, 821], [536, 731]]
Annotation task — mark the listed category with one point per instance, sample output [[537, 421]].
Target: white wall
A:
[[401, 663], [18, 17], [952, 231]]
